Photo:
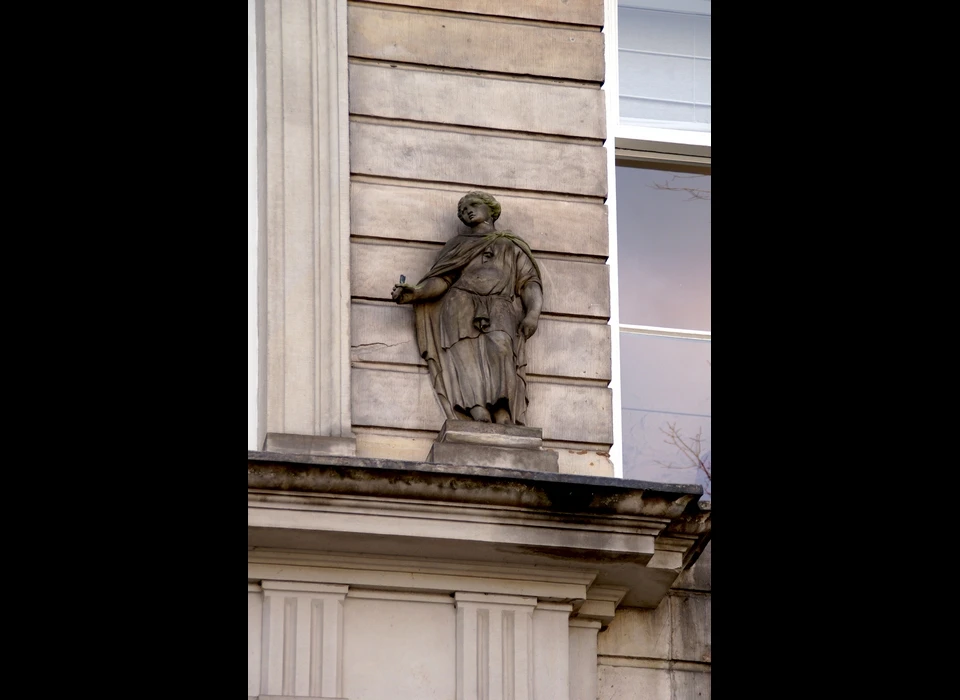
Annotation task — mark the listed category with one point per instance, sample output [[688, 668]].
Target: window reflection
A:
[[663, 242], [665, 403]]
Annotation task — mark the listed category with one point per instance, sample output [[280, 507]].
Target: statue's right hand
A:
[[402, 293]]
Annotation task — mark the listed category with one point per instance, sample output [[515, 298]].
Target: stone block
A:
[[588, 12], [691, 685], [548, 225], [400, 399], [569, 286], [637, 633], [628, 683], [473, 433], [410, 449], [584, 462], [698, 576], [559, 348], [475, 44], [428, 96], [477, 160], [487, 456], [310, 445], [690, 615]]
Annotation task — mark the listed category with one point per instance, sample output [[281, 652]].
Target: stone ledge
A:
[[671, 492], [309, 444]]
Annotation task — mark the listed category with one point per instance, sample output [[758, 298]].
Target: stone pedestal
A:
[[476, 444]]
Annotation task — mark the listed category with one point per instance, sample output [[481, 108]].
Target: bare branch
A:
[[692, 451], [694, 192]]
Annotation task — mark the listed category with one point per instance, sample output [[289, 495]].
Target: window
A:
[[663, 248], [664, 63], [658, 100]]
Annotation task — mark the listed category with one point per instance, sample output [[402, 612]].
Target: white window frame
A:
[[639, 144]]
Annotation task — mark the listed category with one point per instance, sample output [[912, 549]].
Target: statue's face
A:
[[474, 212]]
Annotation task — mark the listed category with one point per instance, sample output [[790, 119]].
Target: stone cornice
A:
[[636, 536], [479, 485]]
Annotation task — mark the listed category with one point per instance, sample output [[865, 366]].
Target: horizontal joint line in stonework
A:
[[459, 186], [579, 447], [474, 185], [475, 16], [435, 245], [651, 662], [551, 315], [569, 381], [474, 73], [679, 591], [448, 128], [389, 366], [406, 367]]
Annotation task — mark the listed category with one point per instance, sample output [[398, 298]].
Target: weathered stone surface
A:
[[305, 179], [310, 444], [398, 399], [413, 449], [698, 576], [570, 11], [625, 683], [559, 348], [374, 269], [398, 648], [477, 160], [548, 225], [492, 434], [690, 615], [637, 633], [395, 399], [391, 477], [475, 44], [586, 462], [691, 685], [429, 96], [487, 456]]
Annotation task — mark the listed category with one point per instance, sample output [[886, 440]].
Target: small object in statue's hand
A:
[[403, 278]]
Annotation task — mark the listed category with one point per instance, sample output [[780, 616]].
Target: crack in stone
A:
[[372, 345]]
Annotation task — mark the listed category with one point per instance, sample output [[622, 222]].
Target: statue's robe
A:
[[469, 336]]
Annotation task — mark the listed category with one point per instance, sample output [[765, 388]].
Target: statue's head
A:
[[478, 197]]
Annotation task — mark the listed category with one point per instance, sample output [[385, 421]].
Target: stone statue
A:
[[475, 309]]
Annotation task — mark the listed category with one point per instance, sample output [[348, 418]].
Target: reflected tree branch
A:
[[694, 192], [691, 448]]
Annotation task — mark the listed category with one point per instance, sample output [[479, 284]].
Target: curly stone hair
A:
[[487, 199]]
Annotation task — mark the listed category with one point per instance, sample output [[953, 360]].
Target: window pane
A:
[[664, 57], [663, 248], [665, 407]]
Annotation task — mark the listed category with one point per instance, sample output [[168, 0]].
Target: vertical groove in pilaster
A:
[[461, 639], [275, 258], [340, 115], [321, 261], [509, 658], [483, 655], [262, 296], [289, 645], [316, 646], [528, 623]]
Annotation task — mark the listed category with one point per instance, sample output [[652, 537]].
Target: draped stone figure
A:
[[475, 309]]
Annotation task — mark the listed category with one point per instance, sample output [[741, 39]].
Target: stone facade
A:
[[371, 574]]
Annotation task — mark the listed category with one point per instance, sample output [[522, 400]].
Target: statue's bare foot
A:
[[479, 413], [502, 416]]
